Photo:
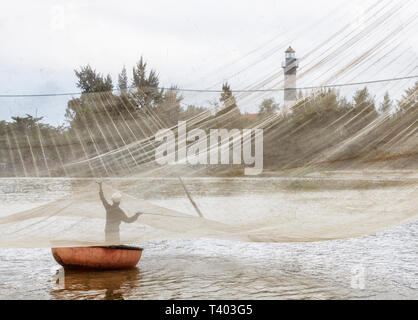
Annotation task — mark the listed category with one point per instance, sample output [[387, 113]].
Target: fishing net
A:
[[346, 177], [193, 164], [78, 219]]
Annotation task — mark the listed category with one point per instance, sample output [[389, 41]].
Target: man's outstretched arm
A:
[[130, 219], [105, 203]]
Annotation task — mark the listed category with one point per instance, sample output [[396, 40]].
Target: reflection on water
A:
[[114, 283], [193, 276]]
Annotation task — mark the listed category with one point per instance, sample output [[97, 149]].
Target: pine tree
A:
[[364, 103], [229, 106], [227, 98], [90, 81], [123, 80], [148, 94], [23, 123], [96, 96], [386, 104], [409, 101]]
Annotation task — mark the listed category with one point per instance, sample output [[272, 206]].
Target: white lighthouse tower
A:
[[289, 65]]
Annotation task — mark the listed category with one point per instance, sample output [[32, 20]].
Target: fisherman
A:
[[114, 216]]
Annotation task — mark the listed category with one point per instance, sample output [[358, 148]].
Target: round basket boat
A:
[[99, 258]]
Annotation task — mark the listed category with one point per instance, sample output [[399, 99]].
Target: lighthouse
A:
[[290, 65]]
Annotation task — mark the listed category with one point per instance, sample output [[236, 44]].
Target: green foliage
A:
[[101, 121], [364, 102], [227, 98], [169, 108], [123, 80], [191, 111], [268, 107], [147, 94], [25, 123], [386, 104], [91, 81], [228, 106], [409, 101]]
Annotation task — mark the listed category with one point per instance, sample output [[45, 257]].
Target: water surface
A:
[[377, 266]]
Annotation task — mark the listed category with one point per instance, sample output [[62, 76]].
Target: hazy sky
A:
[[193, 44]]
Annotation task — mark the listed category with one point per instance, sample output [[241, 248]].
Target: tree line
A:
[[107, 116]]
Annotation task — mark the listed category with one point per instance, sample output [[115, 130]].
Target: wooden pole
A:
[[190, 198]]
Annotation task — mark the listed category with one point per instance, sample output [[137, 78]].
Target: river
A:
[[378, 266]]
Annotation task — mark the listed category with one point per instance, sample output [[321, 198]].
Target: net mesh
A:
[[332, 167], [345, 176]]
